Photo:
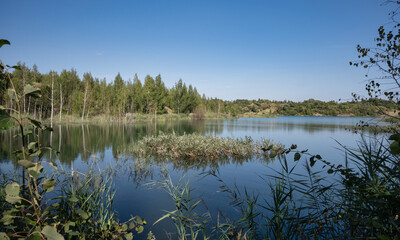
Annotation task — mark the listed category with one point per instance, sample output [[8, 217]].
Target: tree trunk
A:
[[41, 111], [52, 99], [23, 85], [84, 101], [61, 101], [59, 137], [34, 109], [29, 104]]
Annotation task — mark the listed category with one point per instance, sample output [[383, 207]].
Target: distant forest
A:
[[66, 93]]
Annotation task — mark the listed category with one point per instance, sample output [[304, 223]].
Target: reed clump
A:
[[195, 146]]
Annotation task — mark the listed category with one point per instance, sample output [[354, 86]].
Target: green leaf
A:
[[124, 227], [139, 220], [53, 164], [82, 213], [12, 193], [11, 94], [129, 236], [394, 148], [312, 161], [8, 216], [330, 171], [35, 153], [4, 42], [31, 91], [35, 170], [16, 67], [68, 225], [48, 184], [73, 199], [272, 154], [297, 156], [395, 137], [36, 123], [139, 229], [7, 219], [27, 132], [32, 145], [35, 236], [51, 233], [26, 163], [131, 225], [6, 121], [3, 236]]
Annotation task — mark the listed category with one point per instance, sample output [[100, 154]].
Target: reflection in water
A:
[[140, 170], [81, 141]]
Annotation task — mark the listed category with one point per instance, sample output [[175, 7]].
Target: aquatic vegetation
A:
[[197, 147], [360, 202]]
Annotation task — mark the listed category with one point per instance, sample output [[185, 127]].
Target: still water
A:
[[81, 145]]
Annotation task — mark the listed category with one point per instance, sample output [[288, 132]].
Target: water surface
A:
[[79, 145]]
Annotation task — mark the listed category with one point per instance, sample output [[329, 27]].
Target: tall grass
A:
[[188, 222], [197, 147], [360, 201]]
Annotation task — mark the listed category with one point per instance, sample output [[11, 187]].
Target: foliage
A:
[[383, 61], [30, 209]]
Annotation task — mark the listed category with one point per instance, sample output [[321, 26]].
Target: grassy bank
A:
[[135, 118]]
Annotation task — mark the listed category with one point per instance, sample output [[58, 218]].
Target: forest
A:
[[66, 94]]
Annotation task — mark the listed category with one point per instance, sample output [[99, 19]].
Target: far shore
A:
[[174, 117]]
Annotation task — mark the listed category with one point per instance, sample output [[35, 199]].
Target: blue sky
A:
[[230, 49]]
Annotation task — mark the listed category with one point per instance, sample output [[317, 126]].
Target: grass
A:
[[197, 147], [361, 202]]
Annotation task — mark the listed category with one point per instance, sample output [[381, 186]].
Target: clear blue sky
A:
[[230, 49]]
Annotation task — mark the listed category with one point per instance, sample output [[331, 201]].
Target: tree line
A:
[[65, 93]]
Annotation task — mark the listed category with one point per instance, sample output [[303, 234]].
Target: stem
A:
[[21, 126]]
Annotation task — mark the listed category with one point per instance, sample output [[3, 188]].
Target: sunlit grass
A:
[[195, 146]]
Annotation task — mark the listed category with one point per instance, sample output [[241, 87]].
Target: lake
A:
[[79, 145]]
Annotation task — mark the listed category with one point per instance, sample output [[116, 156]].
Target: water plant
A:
[[197, 147], [188, 222], [358, 199]]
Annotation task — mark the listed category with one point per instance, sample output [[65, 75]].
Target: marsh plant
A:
[[197, 147], [32, 206], [189, 223], [358, 199]]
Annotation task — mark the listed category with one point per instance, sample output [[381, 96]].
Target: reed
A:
[[197, 147], [360, 202]]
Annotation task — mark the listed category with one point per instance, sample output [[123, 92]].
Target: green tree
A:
[[385, 58], [118, 96], [161, 96], [137, 95], [149, 92]]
